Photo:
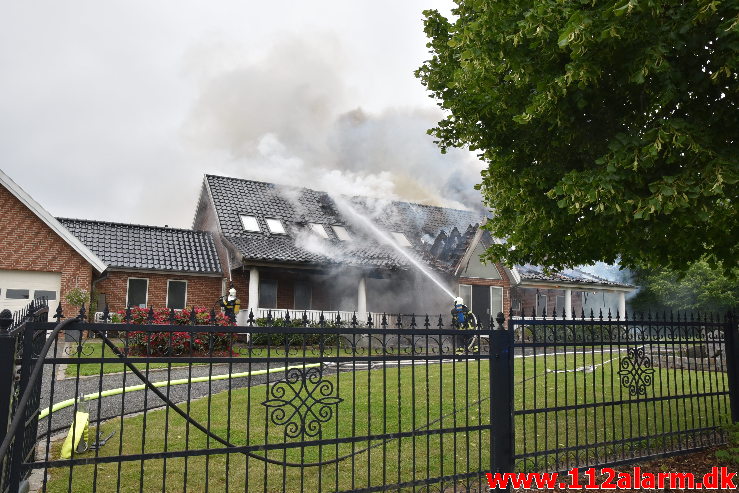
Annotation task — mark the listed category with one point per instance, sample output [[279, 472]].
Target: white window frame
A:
[[467, 302], [281, 226], [340, 230], [493, 310], [166, 300], [319, 229], [400, 238], [128, 285], [244, 217]]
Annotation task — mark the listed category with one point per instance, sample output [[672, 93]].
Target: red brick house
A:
[[45, 257], [150, 265], [39, 258]]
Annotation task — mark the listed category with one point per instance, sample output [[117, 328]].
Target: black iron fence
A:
[[202, 405], [608, 390], [18, 348]]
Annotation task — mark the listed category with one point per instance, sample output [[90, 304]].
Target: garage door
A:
[[18, 288]]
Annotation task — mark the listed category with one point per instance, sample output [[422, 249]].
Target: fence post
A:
[[7, 380], [501, 405], [731, 340]]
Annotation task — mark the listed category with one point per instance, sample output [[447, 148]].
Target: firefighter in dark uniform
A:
[[462, 319], [230, 304]]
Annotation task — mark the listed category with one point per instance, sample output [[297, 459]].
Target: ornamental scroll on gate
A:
[[636, 371], [302, 402]]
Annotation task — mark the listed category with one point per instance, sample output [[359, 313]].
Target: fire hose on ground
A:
[[79, 428]]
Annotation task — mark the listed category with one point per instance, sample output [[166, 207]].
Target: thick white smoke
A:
[[289, 118]]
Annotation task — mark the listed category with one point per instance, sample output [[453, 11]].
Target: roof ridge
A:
[[115, 223], [207, 175]]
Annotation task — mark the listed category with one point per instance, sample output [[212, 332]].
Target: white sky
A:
[[114, 110]]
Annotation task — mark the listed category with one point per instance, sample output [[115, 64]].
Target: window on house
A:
[[275, 227], [44, 294], [559, 305], [541, 304], [401, 240], [250, 223], [319, 230], [341, 233], [176, 294], [267, 293], [102, 302], [137, 292], [17, 294], [302, 292], [465, 292], [496, 301]]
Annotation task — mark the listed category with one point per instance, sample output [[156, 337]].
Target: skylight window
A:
[[342, 233], [401, 240], [319, 230], [275, 227], [250, 223]]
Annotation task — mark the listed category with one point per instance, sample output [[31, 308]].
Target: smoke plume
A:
[[289, 118]]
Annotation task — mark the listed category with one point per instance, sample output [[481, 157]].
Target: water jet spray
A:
[[388, 239]]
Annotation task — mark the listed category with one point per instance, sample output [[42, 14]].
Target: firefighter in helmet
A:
[[230, 304], [463, 319]]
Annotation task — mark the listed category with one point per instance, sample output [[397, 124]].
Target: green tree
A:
[[701, 287], [609, 128]]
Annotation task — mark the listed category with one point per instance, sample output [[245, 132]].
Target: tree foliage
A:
[[609, 128], [701, 288]]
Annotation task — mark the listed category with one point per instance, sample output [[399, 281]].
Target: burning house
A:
[[288, 248], [283, 248]]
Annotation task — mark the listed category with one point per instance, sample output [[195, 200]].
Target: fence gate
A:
[[609, 391], [188, 402], [18, 348]]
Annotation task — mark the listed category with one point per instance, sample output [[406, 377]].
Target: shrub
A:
[[77, 297], [731, 452], [171, 342]]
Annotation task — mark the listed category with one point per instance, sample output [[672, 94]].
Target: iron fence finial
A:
[[6, 320]]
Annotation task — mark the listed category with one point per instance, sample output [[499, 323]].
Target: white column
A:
[[621, 304], [568, 303], [254, 290], [362, 299]]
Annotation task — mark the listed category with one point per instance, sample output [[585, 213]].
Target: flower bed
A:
[[172, 342]]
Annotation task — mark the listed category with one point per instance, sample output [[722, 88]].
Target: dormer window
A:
[[341, 233], [250, 223], [319, 230], [275, 227], [401, 240]]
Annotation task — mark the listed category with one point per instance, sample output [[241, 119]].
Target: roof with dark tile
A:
[[135, 246], [576, 276], [297, 207], [449, 249]]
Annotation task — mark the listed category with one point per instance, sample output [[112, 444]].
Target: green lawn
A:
[[407, 403]]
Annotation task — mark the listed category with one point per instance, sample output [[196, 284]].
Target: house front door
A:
[[481, 303]]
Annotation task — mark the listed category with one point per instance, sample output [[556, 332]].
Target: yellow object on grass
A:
[[78, 431]]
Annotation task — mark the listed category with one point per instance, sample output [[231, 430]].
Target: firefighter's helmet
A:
[[458, 301]]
